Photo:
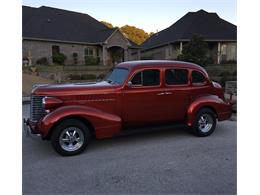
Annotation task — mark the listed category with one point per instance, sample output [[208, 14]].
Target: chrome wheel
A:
[[205, 123], [71, 139]]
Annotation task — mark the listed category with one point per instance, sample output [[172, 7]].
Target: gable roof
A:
[[133, 44], [48, 23], [208, 25]]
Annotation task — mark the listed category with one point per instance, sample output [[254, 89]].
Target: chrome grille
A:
[[37, 110]]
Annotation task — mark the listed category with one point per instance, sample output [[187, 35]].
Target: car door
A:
[[142, 100], [176, 96], [200, 84]]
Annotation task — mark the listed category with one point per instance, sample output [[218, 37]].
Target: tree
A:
[[135, 34], [195, 51], [109, 25]]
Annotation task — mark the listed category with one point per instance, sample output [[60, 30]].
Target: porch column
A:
[[125, 55], [180, 47], [104, 55], [218, 54], [138, 54], [29, 58]]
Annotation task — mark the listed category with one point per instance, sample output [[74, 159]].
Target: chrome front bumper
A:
[[28, 130]]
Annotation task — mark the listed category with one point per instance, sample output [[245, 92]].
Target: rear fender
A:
[[210, 101], [105, 124]]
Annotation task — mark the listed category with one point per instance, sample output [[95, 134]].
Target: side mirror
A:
[[129, 84]]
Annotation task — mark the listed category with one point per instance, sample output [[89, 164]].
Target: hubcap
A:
[[71, 139], [205, 123]]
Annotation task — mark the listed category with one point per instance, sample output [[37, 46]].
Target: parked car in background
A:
[[134, 94]]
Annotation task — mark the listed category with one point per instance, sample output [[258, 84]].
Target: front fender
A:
[[222, 109], [105, 124]]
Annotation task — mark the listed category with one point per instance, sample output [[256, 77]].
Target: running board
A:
[[135, 130]]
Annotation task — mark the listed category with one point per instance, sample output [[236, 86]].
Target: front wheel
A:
[[205, 123], [70, 137]]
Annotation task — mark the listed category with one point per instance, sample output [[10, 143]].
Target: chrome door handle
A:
[[162, 93], [168, 93]]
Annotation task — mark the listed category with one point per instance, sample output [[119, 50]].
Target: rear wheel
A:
[[70, 137], [205, 123]]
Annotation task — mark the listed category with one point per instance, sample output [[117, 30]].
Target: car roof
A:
[[159, 63]]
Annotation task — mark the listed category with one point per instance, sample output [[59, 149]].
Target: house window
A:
[[98, 55], [97, 52], [224, 49], [176, 76], [55, 49], [233, 52], [88, 52], [168, 51]]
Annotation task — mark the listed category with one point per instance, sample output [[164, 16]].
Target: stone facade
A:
[[218, 51], [36, 49]]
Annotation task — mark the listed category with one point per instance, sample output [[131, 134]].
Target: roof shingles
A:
[[208, 25], [62, 25]]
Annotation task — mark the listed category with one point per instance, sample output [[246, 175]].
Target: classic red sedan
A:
[[134, 94]]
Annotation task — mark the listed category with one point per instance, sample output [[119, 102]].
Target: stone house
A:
[[220, 35], [47, 31]]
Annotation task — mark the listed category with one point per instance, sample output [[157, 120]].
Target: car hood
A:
[[102, 87]]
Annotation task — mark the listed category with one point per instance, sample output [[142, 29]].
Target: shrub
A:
[[101, 76], [33, 69], [228, 62], [75, 58], [74, 77], [88, 77], [42, 61], [147, 57], [82, 77], [195, 51], [89, 60], [225, 74], [224, 77], [59, 58]]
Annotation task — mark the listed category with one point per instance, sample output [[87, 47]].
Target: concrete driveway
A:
[[161, 162]]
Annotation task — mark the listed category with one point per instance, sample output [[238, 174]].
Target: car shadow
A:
[[34, 146], [139, 137]]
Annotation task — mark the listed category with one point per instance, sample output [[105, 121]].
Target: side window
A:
[[146, 78], [137, 79], [198, 78], [176, 76], [151, 77]]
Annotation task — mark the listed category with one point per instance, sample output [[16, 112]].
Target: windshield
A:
[[117, 75]]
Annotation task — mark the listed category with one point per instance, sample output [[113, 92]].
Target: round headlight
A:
[[51, 102]]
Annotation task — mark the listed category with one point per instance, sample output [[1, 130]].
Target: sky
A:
[[150, 15]]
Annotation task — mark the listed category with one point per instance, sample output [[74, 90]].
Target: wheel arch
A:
[[210, 102], [77, 117], [210, 108]]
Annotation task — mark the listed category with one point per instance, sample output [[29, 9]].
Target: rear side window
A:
[[198, 77], [146, 78], [176, 76]]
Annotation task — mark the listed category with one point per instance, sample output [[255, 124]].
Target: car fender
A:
[[104, 124], [210, 101]]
